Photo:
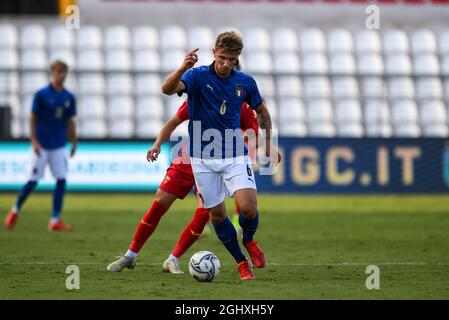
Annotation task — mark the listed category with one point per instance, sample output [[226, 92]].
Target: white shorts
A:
[[216, 179], [56, 159]]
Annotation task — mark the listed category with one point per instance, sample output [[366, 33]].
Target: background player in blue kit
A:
[[51, 122], [215, 95]]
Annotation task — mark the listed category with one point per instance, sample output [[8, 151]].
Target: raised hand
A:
[[189, 61]]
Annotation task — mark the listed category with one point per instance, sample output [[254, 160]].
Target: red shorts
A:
[[177, 182]]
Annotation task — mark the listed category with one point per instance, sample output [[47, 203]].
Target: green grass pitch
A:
[[317, 247]]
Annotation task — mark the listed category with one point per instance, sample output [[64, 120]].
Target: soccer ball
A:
[[204, 266]]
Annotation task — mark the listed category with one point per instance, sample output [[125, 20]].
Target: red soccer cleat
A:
[[256, 254], [246, 271], [11, 219], [59, 226]]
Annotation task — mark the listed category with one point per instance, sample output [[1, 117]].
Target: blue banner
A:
[[314, 165]]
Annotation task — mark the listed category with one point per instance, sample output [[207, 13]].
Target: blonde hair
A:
[[230, 41], [59, 65]]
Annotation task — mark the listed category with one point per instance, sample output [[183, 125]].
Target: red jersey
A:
[[248, 120]]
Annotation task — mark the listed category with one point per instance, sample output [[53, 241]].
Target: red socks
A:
[[147, 226], [191, 232]]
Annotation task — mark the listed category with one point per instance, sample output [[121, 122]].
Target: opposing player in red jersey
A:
[[178, 182]]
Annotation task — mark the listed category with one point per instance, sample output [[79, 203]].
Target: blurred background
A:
[[357, 89]]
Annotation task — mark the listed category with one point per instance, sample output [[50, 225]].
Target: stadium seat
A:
[[398, 64], [342, 64], [314, 63], [429, 87], [173, 38], [91, 107], [376, 112], [145, 38], [171, 60], [26, 103], [90, 60], [146, 60], [265, 84], [9, 59], [401, 87], [33, 59], [149, 107], [339, 41], [432, 112], [121, 128], [200, 37], [425, 65], [288, 86], [65, 55], [370, 64], [443, 42], [93, 128], [257, 39], [59, 37], [404, 112], [9, 82], [445, 65], [258, 62], [373, 87], [30, 82], [344, 87], [367, 41], [148, 128], [294, 130], [120, 107], [319, 111], [395, 41], [8, 36], [321, 130], [147, 83], [347, 111], [70, 82], [89, 37], [423, 41], [33, 36], [118, 60], [350, 130], [317, 87], [91, 83], [378, 130], [291, 111], [435, 131], [286, 63], [311, 40], [284, 40], [172, 105], [205, 58], [119, 83], [407, 131], [116, 37]]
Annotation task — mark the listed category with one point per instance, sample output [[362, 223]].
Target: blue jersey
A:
[[52, 109], [215, 103]]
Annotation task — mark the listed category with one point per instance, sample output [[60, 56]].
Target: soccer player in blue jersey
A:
[[219, 159], [51, 122]]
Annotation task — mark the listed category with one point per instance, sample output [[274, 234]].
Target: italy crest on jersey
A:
[[238, 90]]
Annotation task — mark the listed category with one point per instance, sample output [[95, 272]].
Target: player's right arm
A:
[[173, 84], [163, 136], [33, 119]]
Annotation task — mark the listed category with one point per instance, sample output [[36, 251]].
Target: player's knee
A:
[[249, 211]]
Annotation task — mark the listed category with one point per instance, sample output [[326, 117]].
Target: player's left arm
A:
[[71, 128], [264, 119]]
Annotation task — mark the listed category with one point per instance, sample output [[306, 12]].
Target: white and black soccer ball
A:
[[204, 266]]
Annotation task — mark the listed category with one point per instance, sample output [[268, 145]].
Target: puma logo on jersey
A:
[[210, 87]]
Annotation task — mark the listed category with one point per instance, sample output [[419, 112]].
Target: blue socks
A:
[[24, 193], [58, 198], [228, 236], [249, 227]]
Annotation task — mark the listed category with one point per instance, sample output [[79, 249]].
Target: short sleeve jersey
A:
[[52, 109]]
